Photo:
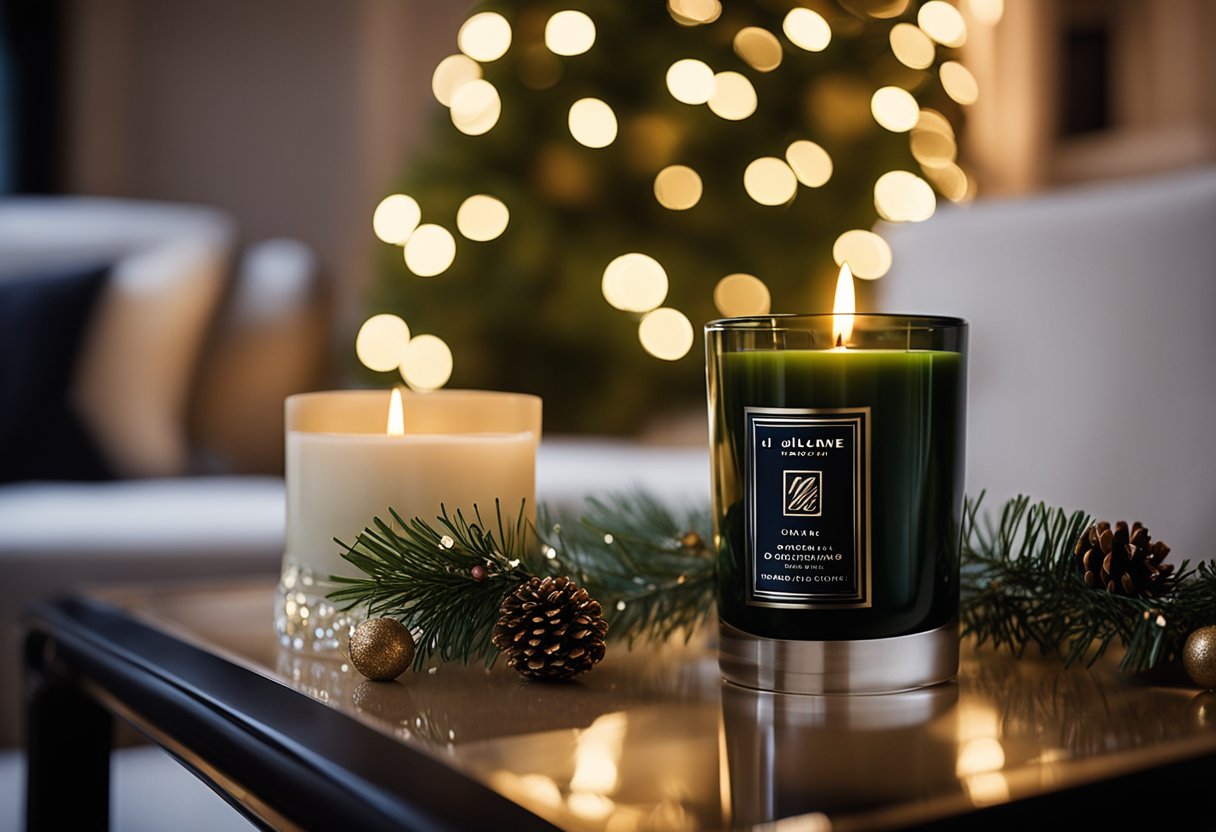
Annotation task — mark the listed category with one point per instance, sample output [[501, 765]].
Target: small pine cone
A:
[[550, 629], [1123, 561]]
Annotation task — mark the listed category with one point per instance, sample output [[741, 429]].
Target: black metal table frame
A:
[[286, 761]]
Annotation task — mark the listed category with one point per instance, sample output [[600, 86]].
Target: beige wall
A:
[[294, 115]]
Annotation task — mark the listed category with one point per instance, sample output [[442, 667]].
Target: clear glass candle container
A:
[[837, 454]]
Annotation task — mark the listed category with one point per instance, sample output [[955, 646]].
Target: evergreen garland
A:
[[654, 574], [1021, 587]]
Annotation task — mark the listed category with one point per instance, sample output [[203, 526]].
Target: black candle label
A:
[[807, 492]]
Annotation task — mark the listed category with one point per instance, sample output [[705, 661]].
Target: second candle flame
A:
[[396, 415], [843, 308]]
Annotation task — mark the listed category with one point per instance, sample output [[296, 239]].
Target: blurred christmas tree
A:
[[699, 139]]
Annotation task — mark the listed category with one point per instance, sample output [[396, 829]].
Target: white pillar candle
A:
[[460, 448]]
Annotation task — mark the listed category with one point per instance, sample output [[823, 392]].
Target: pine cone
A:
[[550, 629], [1123, 561]]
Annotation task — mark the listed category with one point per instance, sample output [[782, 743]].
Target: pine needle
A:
[[654, 575]]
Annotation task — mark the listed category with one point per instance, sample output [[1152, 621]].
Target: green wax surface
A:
[[917, 401]]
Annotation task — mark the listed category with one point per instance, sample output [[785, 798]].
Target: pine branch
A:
[[631, 552], [424, 576], [654, 575], [1020, 587], [628, 552]]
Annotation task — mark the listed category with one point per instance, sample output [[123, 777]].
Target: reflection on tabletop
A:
[[660, 742], [653, 739]]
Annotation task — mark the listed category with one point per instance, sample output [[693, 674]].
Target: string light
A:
[[485, 37], [453, 72], [430, 250], [381, 342], [810, 163], [759, 47], [569, 33], [737, 295], [959, 83], [482, 217], [770, 181], [666, 333], [476, 107], [677, 187], [592, 123], [807, 29], [951, 180], [734, 97], [900, 196], [882, 9], [943, 23], [932, 140], [395, 218], [634, 282], [694, 12], [911, 46], [895, 109], [426, 363], [690, 81], [868, 255]]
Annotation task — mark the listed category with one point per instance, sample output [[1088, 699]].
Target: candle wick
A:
[[839, 340]]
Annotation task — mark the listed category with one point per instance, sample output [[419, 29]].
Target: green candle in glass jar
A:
[[837, 445]]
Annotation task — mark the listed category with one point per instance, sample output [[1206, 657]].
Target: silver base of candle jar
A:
[[880, 665]]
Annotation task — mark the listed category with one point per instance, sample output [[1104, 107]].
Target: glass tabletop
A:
[[653, 739]]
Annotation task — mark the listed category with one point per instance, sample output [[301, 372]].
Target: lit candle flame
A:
[[396, 415], [843, 307]]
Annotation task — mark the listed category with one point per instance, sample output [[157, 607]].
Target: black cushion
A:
[[43, 322]]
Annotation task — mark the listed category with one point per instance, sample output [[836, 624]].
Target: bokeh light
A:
[[901, 196], [677, 187], [381, 342], [988, 12], [943, 23], [807, 29], [569, 33], [690, 81], [430, 250], [482, 217], [895, 109], [734, 97], [592, 123], [453, 72], [395, 218], [951, 180], [426, 363], [634, 282], [737, 295], [881, 9], [694, 12], [666, 333], [759, 48], [932, 141], [770, 181], [911, 46], [476, 107], [485, 37], [810, 163], [959, 83], [868, 255]]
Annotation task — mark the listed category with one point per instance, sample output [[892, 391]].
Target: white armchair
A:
[[1093, 345]]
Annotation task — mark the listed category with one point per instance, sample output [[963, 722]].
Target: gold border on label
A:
[[861, 525]]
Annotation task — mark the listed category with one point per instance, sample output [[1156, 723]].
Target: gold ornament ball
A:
[[1199, 657], [1202, 710], [381, 649]]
